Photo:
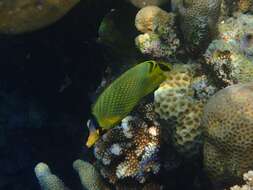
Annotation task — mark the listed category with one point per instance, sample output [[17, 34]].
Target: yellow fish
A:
[[123, 94]]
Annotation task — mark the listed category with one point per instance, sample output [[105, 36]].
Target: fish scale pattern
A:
[[119, 99]]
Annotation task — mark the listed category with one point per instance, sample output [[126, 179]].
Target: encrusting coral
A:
[[90, 178], [159, 39], [230, 57], [174, 101], [198, 21], [228, 130], [129, 150], [28, 15]]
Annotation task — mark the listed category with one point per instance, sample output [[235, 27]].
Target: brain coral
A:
[[20, 16], [129, 150], [198, 20], [228, 129]]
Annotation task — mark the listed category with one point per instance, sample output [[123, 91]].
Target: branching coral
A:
[[47, 180], [27, 15], [159, 39], [230, 57], [228, 129], [129, 150], [198, 20], [90, 178]]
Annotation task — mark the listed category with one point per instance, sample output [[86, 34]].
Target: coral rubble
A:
[[227, 123]]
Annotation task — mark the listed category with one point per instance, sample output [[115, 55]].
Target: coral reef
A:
[[198, 20], [248, 178], [227, 123], [46, 179], [232, 7], [27, 15], [144, 3], [159, 39], [230, 57], [90, 178], [174, 101], [129, 150]]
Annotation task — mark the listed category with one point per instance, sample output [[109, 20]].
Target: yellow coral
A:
[[174, 101], [27, 15], [227, 122], [171, 98], [188, 132]]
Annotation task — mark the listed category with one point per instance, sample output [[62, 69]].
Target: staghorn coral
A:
[[90, 178], [144, 3], [175, 102], [230, 57], [198, 20], [227, 123], [129, 150], [159, 39], [20, 16], [46, 179], [248, 178]]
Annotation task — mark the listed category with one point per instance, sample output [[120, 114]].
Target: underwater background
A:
[[167, 84]]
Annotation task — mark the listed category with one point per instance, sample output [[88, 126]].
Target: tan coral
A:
[[244, 5], [20, 16], [148, 19], [171, 98], [188, 133], [175, 102], [228, 128]]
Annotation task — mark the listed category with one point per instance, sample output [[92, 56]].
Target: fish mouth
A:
[[93, 138]]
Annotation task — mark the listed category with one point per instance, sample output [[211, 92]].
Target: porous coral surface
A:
[[228, 130], [129, 150]]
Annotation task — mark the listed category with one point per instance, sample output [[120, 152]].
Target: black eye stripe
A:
[[164, 67], [152, 64]]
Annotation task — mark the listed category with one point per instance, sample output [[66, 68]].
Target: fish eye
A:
[[164, 67]]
